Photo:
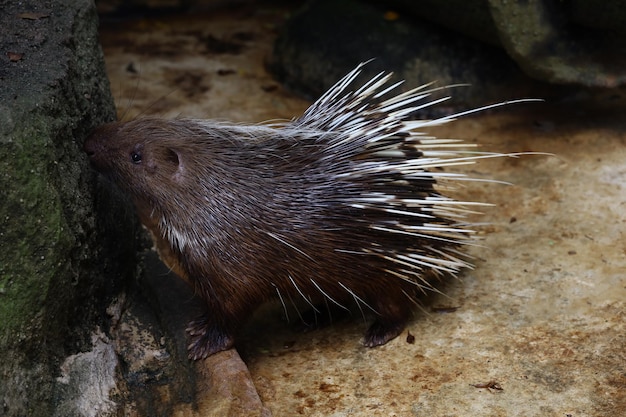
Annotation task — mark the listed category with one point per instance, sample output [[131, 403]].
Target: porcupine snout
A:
[[97, 146]]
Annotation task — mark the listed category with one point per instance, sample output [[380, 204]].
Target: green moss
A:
[[30, 218], [58, 268]]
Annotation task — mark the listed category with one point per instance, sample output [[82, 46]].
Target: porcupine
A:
[[341, 205]]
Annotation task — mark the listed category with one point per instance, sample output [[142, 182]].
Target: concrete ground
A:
[[537, 328]]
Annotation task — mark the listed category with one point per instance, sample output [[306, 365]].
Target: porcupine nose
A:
[[94, 149], [90, 147], [95, 146]]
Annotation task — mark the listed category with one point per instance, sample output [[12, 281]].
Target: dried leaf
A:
[[391, 15], [14, 56], [33, 15]]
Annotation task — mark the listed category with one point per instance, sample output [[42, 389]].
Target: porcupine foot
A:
[[380, 332], [207, 338], [391, 321]]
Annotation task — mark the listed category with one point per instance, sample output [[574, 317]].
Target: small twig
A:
[[493, 384]]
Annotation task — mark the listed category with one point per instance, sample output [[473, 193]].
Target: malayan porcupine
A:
[[341, 205]]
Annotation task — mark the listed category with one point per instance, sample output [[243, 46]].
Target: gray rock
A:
[[574, 42], [545, 40], [492, 45], [326, 39], [60, 262]]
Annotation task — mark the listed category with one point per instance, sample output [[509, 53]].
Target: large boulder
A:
[[60, 264]]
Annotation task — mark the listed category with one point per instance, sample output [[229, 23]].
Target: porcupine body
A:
[[339, 206]]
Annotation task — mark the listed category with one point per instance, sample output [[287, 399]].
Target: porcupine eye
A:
[[135, 157], [136, 154]]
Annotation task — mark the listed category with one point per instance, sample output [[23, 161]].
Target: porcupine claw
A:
[[206, 339]]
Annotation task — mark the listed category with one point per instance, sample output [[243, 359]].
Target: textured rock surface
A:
[[554, 42], [324, 39], [56, 270], [540, 36]]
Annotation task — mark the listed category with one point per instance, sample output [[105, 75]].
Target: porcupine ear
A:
[[174, 158]]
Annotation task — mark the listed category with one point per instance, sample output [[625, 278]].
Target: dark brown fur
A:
[[257, 216]]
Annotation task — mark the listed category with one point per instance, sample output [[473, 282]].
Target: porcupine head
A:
[[341, 206]]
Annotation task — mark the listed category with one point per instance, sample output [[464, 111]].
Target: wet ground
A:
[[537, 328]]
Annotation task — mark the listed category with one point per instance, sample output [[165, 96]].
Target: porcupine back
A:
[[340, 206]]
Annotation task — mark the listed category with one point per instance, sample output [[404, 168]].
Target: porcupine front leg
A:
[[214, 331]]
